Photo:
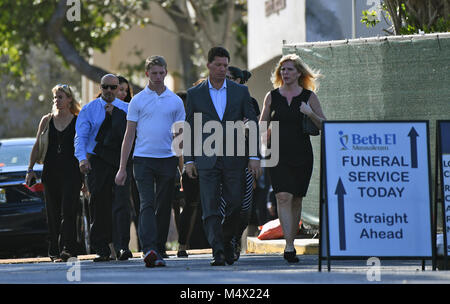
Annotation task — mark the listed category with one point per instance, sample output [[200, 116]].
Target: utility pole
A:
[[353, 19]]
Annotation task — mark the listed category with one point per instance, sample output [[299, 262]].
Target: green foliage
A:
[[24, 23], [411, 21], [369, 18], [442, 25]]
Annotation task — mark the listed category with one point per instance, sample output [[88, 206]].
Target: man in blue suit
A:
[[219, 101]]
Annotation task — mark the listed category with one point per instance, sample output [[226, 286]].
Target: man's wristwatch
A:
[[30, 170]]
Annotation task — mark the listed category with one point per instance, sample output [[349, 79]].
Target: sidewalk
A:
[[91, 257], [254, 245]]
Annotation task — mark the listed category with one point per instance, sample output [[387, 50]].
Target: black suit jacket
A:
[[238, 107]]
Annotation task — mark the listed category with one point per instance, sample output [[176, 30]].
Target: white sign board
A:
[[377, 184], [445, 150], [446, 184]]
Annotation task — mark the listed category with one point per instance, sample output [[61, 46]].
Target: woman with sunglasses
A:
[[60, 176]]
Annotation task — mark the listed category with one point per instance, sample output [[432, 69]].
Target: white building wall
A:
[[265, 39], [299, 21], [266, 33]]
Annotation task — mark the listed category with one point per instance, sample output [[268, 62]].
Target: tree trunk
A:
[[187, 47], [70, 54]]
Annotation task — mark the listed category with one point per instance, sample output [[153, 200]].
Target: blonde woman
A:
[[61, 176], [293, 97]]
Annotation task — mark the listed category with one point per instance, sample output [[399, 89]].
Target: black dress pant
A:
[[101, 187], [217, 232], [121, 213], [155, 179], [62, 200], [191, 209]]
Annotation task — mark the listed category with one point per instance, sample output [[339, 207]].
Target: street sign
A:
[[443, 155], [376, 189]]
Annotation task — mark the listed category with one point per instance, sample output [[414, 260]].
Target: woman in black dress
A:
[[242, 76], [292, 99], [61, 175]]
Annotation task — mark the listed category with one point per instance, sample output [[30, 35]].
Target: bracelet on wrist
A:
[[30, 170]]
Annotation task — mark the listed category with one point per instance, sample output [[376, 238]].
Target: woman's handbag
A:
[[43, 140], [309, 127]]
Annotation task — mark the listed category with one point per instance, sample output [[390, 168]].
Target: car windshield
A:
[[14, 155]]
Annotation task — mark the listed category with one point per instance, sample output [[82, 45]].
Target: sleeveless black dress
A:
[[60, 160], [293, 171], [62, 183]]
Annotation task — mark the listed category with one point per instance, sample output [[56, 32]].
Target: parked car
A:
[[23, 221]]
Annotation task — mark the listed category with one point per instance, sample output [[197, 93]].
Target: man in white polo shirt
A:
[[151, 114]]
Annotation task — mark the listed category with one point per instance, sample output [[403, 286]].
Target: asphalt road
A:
[[250, 269]]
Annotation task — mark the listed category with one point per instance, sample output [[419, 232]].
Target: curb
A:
[[302, 246]]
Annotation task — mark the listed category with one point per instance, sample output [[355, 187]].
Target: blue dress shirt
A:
[[219, 98], [88, 123]]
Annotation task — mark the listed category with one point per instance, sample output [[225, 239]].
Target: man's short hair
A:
[[218, 51], [155, 60]]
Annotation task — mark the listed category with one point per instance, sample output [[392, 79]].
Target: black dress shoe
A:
[[124, 254], [102, 258], [65, 256], [229, 253], [182, 254], [56, 259], [218, 259], [290, 256], [237, 248]]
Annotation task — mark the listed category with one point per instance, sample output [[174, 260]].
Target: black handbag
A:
[[309, 127]]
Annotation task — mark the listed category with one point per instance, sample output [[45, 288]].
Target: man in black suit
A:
[[220, 102]]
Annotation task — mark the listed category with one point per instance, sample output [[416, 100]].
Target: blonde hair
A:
[[155, 60], [75, 106], [308, 78]]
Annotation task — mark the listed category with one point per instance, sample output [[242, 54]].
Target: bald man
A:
[[100, 129]]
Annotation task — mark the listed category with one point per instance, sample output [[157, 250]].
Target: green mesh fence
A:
[[386, 78]]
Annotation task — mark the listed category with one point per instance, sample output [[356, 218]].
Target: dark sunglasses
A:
[[111, 86], [231, 78]]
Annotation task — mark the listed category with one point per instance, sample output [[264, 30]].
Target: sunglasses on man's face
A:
[[111, 86]]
